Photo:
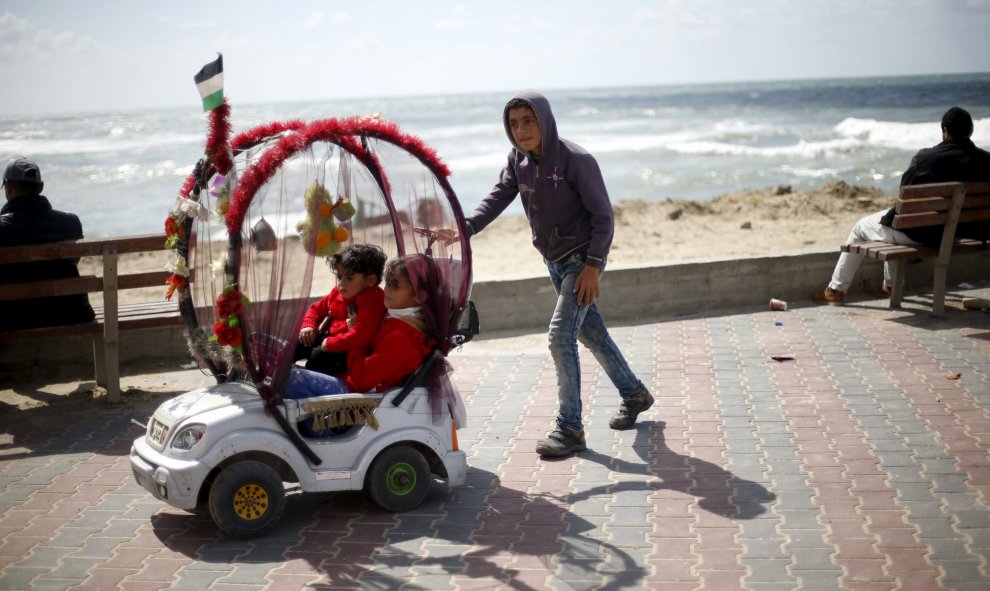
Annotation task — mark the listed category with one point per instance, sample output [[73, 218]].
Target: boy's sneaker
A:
[[629, 410], [830, 297], [561, 442]]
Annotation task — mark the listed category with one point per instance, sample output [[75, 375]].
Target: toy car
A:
[[216, 449], [235, 447]]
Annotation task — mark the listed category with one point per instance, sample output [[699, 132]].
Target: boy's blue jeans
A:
[[572, 323]]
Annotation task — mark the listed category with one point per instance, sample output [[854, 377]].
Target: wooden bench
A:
[[942, 205], [111, 318]]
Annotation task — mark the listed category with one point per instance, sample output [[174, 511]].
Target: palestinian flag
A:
[[209, 81]]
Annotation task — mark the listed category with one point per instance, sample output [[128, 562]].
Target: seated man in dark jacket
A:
[[956, 159], [28, 218]]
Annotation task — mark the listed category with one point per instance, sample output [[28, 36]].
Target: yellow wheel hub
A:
[[251, 502]]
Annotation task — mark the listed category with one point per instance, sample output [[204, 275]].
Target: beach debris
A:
[[976, 303], [778, 305], [782, 190], [676, 214], [778, 323], [953, 376], [966, 286], [190, 365], [783, 357], [746, 226]]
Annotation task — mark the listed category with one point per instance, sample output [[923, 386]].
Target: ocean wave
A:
[[127, 173], [908, 136], [40, 148], [802, 149]]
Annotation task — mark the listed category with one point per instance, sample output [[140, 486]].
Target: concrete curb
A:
[[642, 293]]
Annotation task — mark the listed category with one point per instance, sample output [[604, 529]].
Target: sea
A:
[[120, 171]]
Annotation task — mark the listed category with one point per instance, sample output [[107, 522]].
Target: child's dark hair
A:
[[367, 259], [396, 266]]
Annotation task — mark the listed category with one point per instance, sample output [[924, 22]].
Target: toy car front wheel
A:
[[247, 499], [399, 479]]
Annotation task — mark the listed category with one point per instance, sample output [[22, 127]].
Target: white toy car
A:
[[284, 194], [217, 449]]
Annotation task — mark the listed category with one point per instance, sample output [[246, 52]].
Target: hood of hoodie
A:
[[544, 115]]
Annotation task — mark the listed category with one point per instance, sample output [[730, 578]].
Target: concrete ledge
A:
[[648, 293], [629, 295]]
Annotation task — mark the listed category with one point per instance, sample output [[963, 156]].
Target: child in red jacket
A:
[[417, 296], [400, 345], [349, 316]]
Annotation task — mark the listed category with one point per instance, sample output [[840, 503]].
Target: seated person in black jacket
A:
[[28, 218], [956, 159]]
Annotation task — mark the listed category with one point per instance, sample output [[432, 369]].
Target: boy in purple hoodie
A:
[[565, 200]]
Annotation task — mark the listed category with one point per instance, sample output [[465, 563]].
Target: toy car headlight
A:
[[188, 437]]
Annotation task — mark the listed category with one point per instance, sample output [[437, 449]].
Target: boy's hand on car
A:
[[447, 235], [307, 337], [586, 286]]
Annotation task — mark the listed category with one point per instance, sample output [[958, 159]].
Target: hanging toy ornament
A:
[[319, 233]]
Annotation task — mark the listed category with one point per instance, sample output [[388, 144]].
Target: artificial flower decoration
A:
[[185, 209], [228, 333], [173, 232], [220, 189], [175, 283], [219, 266], [177, 265], [229, 305]]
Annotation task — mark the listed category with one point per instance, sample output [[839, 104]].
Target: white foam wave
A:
[[802, 149], [39, 148], [891, 134], [127, 173], [909, 136]]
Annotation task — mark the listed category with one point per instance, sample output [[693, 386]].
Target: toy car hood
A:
[[205, 399]]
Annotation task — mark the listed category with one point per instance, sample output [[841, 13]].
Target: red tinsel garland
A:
[[187, 186], [251, 137], [217, 138], [338, 131], [331, 130], [388, 131]]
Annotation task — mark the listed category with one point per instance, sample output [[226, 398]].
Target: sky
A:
[[71, 56]]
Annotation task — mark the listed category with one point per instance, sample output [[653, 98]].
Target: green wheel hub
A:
[[401, 479]]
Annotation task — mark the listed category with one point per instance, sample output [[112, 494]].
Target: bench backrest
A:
[[108, 248], [931, 205]]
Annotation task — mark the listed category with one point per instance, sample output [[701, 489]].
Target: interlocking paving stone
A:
[[857, 465]]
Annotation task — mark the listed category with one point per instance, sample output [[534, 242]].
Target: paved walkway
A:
[[861, 463]]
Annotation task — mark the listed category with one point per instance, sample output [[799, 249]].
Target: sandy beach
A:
[[750, 222]]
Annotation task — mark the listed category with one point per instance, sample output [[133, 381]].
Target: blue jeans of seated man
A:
[[572, 323]]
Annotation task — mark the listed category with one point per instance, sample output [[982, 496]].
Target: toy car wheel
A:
[[398, 479], [247, 499]]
